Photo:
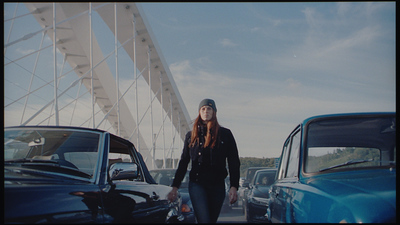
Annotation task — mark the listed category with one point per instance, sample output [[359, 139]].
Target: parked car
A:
[[165, 177], [245, 186], [337, 168], [79, 175], [258, 195]]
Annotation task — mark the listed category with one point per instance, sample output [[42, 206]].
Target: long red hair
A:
[[212, 131]]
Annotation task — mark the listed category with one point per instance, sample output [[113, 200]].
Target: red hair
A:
[[212, 131]]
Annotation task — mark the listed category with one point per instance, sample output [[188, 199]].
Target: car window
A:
[[350, 143], [85, 161], [166, 178], [293, 162], [326, 157], [283, 161], [250, 174], [67, 147], [265, 178], [121, 151]]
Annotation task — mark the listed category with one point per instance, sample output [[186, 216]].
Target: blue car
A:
[[337, 168]]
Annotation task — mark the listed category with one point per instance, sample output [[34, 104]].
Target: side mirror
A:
[[123, 171], [245, 184]]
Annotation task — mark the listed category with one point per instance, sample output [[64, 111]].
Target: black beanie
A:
[[208, 102]]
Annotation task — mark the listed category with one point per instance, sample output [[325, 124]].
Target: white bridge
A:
[[95, 65]]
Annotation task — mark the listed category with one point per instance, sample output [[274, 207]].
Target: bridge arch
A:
[[94, 65]]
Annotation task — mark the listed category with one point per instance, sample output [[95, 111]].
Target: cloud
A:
[[293, 84], [343, 8], [227, 43], [312, 17], [24, 51], [255, 29], [173, 19], [195, 83], [242, 104], [357, 39], [261, 113], [365, 10]]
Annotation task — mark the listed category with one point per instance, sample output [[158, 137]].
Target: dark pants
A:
[[207, 201]]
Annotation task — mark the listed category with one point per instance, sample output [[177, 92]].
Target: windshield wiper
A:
[[350, 162], [43, 164]]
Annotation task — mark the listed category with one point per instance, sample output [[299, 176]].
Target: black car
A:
[[258, 195], [165, 177], [250, 172], [79, 175]]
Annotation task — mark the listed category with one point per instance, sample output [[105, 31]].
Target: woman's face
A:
[[206, 113]]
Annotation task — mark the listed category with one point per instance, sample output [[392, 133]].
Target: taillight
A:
[[185, 208]]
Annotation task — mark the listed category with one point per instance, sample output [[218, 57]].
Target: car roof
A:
[[56, 127], [69, 127], [341, 115], [355, 114], [256, 168], [267, 170]]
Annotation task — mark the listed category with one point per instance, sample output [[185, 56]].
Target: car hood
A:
[[261, 191], [29, 195], [372, 191]]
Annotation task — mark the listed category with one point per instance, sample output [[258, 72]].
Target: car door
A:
[[133, 200], [282, 190]]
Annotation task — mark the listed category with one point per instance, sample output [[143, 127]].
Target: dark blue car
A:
[[337, 168], [258, 195], [78, 175]]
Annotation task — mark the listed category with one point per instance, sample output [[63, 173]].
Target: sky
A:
[[268, 66]]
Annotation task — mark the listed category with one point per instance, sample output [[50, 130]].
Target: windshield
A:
[[264, 178], [67, 148], [350, 143]]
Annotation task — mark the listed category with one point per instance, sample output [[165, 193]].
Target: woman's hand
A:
[[172, 194], [233, 195]]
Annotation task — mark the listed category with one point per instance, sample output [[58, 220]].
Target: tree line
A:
[[245, 162]]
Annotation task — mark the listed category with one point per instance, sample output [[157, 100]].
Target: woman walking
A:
[[208, 146]]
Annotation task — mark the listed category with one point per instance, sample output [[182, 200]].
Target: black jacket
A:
[[209, 165]]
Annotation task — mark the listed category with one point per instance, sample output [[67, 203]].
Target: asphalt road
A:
[[234, 215]]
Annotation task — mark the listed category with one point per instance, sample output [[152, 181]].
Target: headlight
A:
[[259, 201]]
